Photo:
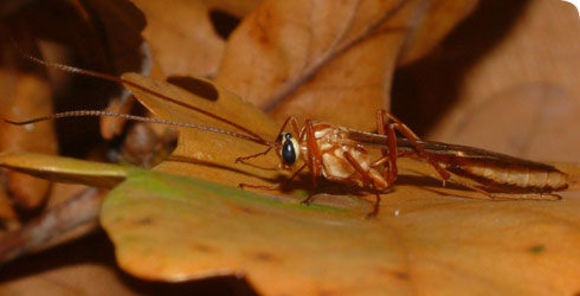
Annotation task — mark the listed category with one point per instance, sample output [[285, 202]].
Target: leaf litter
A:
[[439, 237]]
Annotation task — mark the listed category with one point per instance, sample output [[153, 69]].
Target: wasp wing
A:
[[450, 154]]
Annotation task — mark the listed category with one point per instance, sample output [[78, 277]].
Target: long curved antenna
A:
[[255, 137], [86, 113]]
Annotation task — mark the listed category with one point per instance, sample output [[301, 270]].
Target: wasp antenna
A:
[[87, 113], [67, 68], [116, 79]]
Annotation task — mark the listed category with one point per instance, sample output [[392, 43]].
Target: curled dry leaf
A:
[[101, 35], [320, 59], [64, 169], [122, 24], [24, 93]]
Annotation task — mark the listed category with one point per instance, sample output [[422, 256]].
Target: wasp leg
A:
[[244, 158], [290, 120], [368, 179], [413, 138], [390, 173], [273, 186], [314, 161], [465, 184]]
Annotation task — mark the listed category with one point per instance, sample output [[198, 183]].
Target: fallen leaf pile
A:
[[484, 73]]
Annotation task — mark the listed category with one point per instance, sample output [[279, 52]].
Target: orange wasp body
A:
[[341, 154]]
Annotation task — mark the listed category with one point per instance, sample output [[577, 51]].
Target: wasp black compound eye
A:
[[290, 149], [288, 152]]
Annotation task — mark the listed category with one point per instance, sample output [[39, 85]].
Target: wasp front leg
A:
[[314, 159], [292, 121], [285, 144], [275, 186]]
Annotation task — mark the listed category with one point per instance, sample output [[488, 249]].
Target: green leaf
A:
[[172, 228]]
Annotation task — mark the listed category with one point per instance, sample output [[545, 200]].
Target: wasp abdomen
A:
[[528, 179]]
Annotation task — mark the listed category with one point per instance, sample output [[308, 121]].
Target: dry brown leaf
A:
[[63, 223], [62, 193], [204, 154], [505, 80], [426, 240], [438, 19], [8, 216], [530, 120], [81, 279], [480, 118], [423, 235], [84, 267], [112, 126], [181, 35], [321, 59], [105, 34], [24, 93], [100, 35], [234, 7], [68, 220], [121, 24]]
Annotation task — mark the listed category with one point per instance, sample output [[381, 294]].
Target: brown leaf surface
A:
[[208, 155], [503, 81], [7, 211], [78, 279], [84, 267], [182, 37], [529, 77], [96, 34], [473, 244], [425, 241], [120, 24], [63, 223], [320, 59], [533, 68], [434, 23], [24, 93]]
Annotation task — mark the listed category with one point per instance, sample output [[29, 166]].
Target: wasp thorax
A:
[[290, 149]]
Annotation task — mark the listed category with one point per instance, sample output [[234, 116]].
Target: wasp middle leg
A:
[[413, 138]]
